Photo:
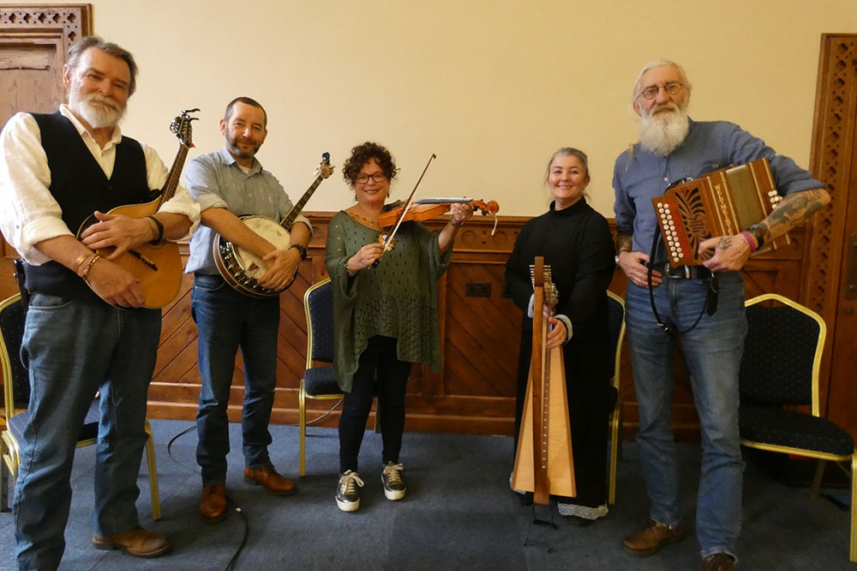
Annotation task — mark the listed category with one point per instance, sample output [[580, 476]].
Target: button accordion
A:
[[720, 203]]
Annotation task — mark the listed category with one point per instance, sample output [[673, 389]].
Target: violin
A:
[[429, 208]]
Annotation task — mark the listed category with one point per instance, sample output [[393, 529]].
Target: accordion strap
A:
[[710, 302]]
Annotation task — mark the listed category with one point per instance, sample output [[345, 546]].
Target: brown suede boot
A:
[[212, 504], [652, 538], [718, 562], [268, 477], [135, 541]]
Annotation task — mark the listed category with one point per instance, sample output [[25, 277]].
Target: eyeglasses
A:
[[377, 177], [670, 88]]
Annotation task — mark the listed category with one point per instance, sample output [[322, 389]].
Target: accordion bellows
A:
[[722, 203]]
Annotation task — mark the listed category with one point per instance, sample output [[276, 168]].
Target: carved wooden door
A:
[[830, 278], [34, 41]]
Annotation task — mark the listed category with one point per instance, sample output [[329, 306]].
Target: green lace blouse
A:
[[396, 299]]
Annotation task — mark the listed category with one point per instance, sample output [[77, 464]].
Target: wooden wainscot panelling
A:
[[480, 332]]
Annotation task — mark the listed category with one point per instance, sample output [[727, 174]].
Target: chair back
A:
[[16, 382], [616, 321], [782, 353], [318, 306]]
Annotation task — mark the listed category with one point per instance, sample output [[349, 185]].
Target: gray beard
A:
[[98, 111], [662, 133]]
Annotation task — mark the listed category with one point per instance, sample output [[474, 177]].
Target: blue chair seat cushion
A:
[[89, 430], [779, 427], [321, 381]]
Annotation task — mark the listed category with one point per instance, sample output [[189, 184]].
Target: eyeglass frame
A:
[[373, 176], [670, 88]]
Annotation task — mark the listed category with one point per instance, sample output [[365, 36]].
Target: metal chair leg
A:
[[302, 428], [816, 480], [853, 550]]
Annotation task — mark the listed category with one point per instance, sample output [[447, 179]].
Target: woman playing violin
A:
[[575, 241], [385, 318]]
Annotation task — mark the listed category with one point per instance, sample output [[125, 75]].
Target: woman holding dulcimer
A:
[[385, 317], [575, 242]]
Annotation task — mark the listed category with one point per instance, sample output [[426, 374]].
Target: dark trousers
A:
[[378, 370]]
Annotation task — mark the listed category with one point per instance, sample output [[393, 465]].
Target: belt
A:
[[684, 272]]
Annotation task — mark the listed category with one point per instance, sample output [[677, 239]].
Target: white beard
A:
[[98, 111], [662, 133]]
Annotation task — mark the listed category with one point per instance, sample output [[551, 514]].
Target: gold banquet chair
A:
[[318, 382], [780, 366], [616, 319], [16, 390]]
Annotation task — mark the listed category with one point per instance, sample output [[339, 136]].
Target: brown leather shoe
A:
[[135, 541], [212, 504], [718, 562], [270, 479], [652, 538]]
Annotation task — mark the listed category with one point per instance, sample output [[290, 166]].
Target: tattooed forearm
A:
[[624, 243], [793, 209]]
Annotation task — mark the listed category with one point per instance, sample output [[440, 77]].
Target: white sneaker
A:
[[347, 494], [394, 485]]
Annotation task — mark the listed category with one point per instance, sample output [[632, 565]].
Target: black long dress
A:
[[577, 244]]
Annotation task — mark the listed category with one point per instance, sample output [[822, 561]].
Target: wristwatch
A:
[[301, 250]]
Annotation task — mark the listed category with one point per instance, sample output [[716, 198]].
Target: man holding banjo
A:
[[229, 183]]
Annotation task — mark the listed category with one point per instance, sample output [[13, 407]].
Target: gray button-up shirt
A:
[[215, 180]]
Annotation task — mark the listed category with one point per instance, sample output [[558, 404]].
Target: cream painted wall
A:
[[492, 87]]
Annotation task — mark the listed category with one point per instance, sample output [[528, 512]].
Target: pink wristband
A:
[[751, 240]]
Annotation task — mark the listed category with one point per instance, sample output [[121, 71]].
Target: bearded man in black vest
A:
[[86, 329]]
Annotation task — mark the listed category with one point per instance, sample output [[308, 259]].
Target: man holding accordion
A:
[[701, 304]]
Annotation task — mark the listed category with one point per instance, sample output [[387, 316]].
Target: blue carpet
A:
[[458, 514]]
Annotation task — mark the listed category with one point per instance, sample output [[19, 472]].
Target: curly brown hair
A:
[[362, 154]]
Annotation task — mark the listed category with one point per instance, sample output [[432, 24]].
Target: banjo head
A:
[[251, 264]]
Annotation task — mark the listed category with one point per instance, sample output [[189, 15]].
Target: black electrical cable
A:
[[234, 561]]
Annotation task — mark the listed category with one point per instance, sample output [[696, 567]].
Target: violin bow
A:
[[407, 207]]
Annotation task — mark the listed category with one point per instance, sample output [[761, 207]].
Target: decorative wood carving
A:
[[75, 20], [833, 162]]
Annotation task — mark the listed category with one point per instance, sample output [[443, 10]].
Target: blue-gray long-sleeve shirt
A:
[[215, 180], [639, 176]]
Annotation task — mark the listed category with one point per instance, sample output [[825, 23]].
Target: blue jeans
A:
[[713, 352], [72, 349], [227, 320]]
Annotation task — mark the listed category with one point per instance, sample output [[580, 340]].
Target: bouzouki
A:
[[241, 268], [543, 461], [157, 266]]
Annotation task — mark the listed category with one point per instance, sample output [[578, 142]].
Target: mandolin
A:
[[156, 266]]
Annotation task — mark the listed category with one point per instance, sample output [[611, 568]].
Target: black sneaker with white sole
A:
[[394, 485], [347, 494]]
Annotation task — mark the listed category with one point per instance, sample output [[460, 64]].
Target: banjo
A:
[[241, 268]]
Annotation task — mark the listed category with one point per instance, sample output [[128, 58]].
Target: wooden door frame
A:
[[832, 161]]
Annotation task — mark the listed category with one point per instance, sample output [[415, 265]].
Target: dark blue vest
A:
[[80, 188]]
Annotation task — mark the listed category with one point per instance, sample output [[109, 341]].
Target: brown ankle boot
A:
[[268, 477], [135, 541], [652, 538], [212, 504]]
